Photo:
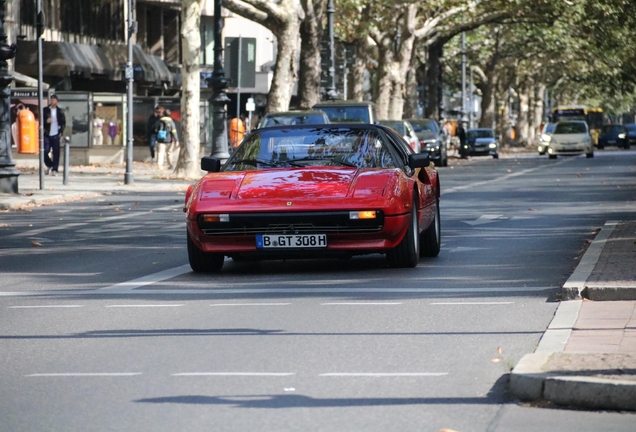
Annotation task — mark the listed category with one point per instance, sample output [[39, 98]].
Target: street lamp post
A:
[[332, 93], [132, 29], [219, 83], [463, 106], [8, 172]]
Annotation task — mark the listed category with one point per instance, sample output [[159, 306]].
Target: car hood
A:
[[568, 138], [483, 140], [308, 184]]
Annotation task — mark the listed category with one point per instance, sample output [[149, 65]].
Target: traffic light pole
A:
[[332, 93], [8, 173]]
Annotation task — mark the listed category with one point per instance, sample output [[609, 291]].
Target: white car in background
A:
[[405, 129], [570, 138]]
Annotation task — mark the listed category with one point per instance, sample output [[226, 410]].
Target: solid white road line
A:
[[250, 304], [144, 306], [148, 280], [93, 374], [397, 374], [472, 303], [361, 304], [45, 306], [255, 374]]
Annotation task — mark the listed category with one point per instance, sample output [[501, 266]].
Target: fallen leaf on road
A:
[[4, 225], [496, 360], [34, 243], [532, 209], [499, 350]]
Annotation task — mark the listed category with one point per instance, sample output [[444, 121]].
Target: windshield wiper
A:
[[309, 159], [256, 162]]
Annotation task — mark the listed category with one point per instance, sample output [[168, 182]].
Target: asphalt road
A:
[[104, 327]]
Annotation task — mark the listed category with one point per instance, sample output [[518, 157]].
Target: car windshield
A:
[[549, 128], [352, 114], [424, 126], [570, 128], [275, 120], [479, 133], [397, 126], [631, 127], [301, 147], [612, 129]]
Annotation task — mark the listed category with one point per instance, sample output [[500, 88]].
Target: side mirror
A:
[[419, 160], [210, 164]]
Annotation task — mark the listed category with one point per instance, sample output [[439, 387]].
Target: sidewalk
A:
[[587, 356], [87, 181]]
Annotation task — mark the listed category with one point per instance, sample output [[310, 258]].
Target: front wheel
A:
[[203, 262], [590, 154], [552, 156], [406, 254], [431, 237], [495, 156]]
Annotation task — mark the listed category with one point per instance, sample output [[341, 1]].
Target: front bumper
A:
[[569, 149], [384, 234]]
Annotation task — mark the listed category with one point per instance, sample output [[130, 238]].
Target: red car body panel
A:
[[313, 189]]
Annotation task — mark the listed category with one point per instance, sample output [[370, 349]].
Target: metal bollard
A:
[[67, 156]]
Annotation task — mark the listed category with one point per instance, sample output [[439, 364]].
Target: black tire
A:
[[600, 147], [627, 146], [589, 155], [203, 262], [431, 237], [495, 156], [407, 253], [552, 156]]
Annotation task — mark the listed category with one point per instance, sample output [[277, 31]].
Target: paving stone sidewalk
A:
[[596, 365]]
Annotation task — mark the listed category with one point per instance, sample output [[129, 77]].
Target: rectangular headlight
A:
[[209, 218], [367, 214]]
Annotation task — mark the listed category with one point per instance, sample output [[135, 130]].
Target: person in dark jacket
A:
[[461, 134], [54, 125], [150, 129]]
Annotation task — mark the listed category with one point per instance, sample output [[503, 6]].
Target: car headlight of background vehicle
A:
[[492, 145], [621, 136], [546, 138]]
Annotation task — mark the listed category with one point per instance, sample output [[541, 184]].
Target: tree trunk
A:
[[400, 73], [411, 99], [286, 69], [433, 80], [311, 31], [386, 68], [358, 70], [521, 126], [188, 162], [537, 119], [487, 119]]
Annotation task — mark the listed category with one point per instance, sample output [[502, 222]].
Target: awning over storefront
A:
[[26, 81], [65, 59]]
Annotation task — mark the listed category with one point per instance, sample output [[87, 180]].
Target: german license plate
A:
[[611, 142], [291, 241]]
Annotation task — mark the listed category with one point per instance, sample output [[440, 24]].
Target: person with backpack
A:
[[150, 130], [167, 140]]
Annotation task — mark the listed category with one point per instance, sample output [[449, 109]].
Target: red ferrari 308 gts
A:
[[315, 191]]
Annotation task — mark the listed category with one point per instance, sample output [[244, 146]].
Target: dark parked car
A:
[[613, 135], [631, 133], [348, 111], [294, 118], [482, 142], [432, 140]]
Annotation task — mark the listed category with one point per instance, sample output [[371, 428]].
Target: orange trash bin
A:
[[27, 133]]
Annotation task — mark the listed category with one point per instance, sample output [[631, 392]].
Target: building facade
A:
[[84, 55]]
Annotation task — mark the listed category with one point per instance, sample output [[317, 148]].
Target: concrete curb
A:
[[530, 382], [574, 287]]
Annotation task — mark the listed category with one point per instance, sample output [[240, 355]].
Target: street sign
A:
[[250, 105]]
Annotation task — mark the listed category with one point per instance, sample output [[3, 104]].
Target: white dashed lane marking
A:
[[44, 306]]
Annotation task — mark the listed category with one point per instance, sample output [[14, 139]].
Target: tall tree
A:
[[283, 19], [188, 163]]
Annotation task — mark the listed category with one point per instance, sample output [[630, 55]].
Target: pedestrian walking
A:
[[461, 135], [150, 130], [54, 125], [167, 140]]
